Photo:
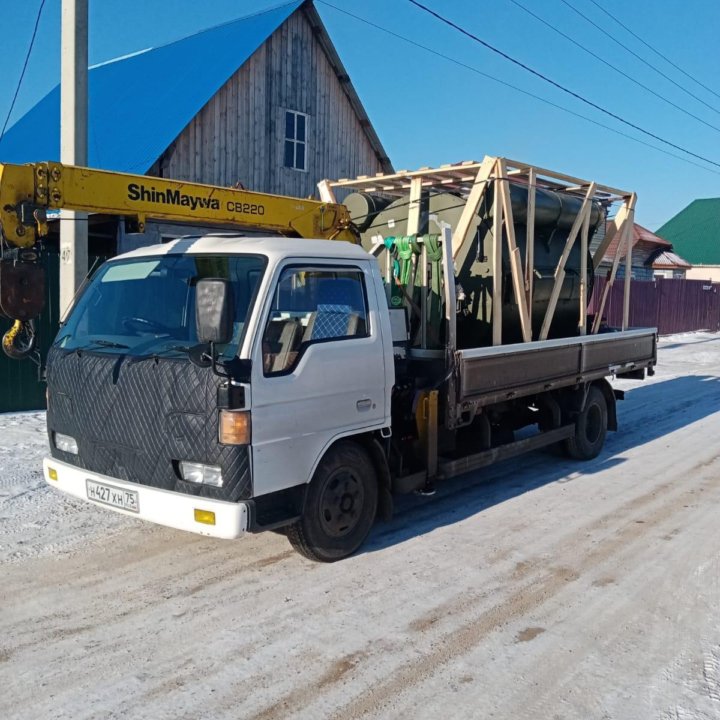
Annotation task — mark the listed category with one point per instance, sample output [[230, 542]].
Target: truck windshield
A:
[[146, 306]]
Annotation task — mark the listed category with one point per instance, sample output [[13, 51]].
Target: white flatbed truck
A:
[[226, 384]]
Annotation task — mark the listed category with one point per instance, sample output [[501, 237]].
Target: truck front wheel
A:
[[590, 427], [340, 505]]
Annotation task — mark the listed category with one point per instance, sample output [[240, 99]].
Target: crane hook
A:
[[19, 341]]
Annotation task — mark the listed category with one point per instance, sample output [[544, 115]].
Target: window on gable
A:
[[295, 140]]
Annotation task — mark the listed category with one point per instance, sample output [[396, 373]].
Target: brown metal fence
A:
[[670, 305]]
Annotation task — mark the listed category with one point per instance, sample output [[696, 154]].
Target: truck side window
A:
[[311, 305]]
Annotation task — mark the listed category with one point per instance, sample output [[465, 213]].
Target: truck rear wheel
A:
[[340, 505], [590, 427]]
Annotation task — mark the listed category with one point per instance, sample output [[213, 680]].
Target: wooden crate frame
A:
[[472, 181]]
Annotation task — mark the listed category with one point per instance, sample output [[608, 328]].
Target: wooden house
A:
[[263, 102], [651, 257]]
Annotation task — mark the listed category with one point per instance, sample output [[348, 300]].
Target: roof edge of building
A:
[[316, 23]]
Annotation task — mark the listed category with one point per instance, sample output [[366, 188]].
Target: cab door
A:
[[319, 369]]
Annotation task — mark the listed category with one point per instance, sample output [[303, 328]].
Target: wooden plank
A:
[[584, 239], [260, 179], [514, 254], [401, 175], [585, 208], [449, 287], [566, 178], [217, 145], [628, 263], [326, 192], [472, 204], [413, 221], [530, 243], [497, 265], [612, 228], [624, 227], [231, 173]]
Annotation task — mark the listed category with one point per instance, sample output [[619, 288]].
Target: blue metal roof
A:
[[140, 103]]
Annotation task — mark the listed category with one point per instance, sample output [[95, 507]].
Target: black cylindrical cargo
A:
[[555, 214]]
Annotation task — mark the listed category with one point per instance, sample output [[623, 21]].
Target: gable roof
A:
[[139, 103], [695, 232], [666, 259], [640, 235]]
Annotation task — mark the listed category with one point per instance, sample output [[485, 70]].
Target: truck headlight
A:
[[66, 443], [201, 474]]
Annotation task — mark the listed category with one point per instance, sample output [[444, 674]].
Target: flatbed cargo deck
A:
[[492, 374]]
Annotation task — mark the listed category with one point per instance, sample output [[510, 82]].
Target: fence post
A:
[[658, 303]]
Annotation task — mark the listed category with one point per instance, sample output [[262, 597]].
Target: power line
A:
[[657, 52], [548, 80], [518, 89], [613, 67], [639, 57], [24, 67]]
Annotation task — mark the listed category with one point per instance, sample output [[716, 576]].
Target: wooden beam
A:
[[405, 175], [628, 263], [560, 269], [612, 228], [473, 203], [584, 239], [413, 223], [616, 262], [449, 288], [566, 178], [514, 254], [326, 193], [530, 243], [497, 264]]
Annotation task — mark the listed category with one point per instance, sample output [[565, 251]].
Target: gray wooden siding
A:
[[238, 136]]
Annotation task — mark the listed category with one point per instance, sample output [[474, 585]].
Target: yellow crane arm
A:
[[28, 191]]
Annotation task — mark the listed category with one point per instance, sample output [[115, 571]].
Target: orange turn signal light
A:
[[235, 427]]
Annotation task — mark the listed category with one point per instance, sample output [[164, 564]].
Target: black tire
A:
[[340, 505], [590, 427]]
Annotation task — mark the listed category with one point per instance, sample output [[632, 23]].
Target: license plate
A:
[[113, 496]]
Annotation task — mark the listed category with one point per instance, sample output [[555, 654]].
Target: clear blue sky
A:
[[428, 111]]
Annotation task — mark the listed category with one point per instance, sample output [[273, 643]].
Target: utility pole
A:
[[73, 142]]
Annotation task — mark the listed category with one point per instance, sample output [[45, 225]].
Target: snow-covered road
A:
[[540, 588]]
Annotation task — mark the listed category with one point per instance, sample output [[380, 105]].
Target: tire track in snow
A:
[[462, 640]]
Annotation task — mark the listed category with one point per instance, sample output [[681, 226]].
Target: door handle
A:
[[365, 404]]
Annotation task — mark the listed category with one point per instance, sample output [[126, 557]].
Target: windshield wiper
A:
[[109, 344], [156, 354]]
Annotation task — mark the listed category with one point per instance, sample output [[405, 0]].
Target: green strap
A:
[[404, 249]]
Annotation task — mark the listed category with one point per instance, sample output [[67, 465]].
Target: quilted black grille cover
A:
[[135, 419]]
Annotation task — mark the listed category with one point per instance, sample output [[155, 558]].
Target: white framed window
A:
[[295, 142]]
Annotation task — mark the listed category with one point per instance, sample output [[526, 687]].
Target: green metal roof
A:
[[695, 232]]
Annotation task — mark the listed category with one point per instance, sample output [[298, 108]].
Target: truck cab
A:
[[223, 438]]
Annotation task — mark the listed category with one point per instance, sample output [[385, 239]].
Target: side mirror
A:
[[214, 310]]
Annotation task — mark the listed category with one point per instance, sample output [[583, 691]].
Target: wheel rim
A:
[[593, 424], [341, 503]]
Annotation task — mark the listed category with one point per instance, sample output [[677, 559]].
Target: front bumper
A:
[[163, 507]]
